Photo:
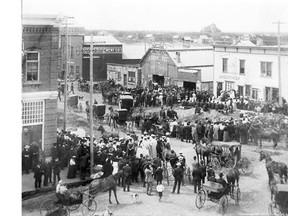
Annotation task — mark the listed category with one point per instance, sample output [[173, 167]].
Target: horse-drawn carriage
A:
[[225, 154], [279, 205], [215, 192], [126, 101], [99, 112], [64, 206]]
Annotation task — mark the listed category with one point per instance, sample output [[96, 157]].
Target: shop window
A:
[[240, 90], [248, 90], [131, 77], [32, 66], [224, 65], [229, 85], [32, 112], [266, 69], [242, 67]]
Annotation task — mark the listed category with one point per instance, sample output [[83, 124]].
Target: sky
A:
[[168, 15]]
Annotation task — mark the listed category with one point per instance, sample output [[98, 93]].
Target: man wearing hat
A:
[[178, 175], [127, 171]]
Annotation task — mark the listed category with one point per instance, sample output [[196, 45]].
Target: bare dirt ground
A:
[[255, 195]]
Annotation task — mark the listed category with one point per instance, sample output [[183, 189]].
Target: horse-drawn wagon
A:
[[215, 192], [64, 206], [225, 154], [279, 205], [99, 111], [126, 101]]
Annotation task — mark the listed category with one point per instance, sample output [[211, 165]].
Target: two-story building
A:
[[251, 70], [187, 67], [75, 45], [40, 62]]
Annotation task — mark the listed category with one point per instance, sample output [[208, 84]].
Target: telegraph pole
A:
[[279, 64], [91, 106], [66, 73]]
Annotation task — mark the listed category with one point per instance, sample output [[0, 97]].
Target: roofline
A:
[[249, 47], [137, 65]]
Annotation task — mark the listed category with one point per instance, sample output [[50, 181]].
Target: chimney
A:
[[178, 57], [259, 42]]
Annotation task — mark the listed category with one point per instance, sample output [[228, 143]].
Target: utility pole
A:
[[279, 64], [91, 106], [65, 75]]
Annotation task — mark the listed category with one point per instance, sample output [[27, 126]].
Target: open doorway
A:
[[189, 86], [158, 79]]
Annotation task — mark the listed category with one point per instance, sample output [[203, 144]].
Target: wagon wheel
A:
[[200, 198], [89, 207], [246, 166], [273, 209], [237, 196], [230, 163], [49, 207], [223, 204]]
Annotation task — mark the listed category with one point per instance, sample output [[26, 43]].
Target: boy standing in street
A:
[[160, 189]]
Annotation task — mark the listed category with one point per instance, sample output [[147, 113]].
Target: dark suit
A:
[[178, 175], [38, 172], [202, 169], [196, 179], [127, 171], [56, 171]]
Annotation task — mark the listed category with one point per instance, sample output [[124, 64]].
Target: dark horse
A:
[[105, 134], [103, 185], [258, 133], [233, 176], [276, 167]]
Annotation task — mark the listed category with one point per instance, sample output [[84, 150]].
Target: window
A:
[[119, 75], [225, 64], [242, 66], [255, 94], [271, 93], [131, 76], [71, 69], [32, 112], [77, 69], [240, 90], [248, 90], [32, 66], [266, 69], [229, 85], [77, 50]]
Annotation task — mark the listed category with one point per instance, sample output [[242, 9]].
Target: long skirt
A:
[[71, 172]]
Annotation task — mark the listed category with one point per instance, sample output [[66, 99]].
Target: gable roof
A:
[[245, 43]]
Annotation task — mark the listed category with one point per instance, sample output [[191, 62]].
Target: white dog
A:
[[135, 197]]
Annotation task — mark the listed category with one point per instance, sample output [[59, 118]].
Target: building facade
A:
[[106, 49], [75, 45], [250, 70], [191, 68], [40, 62]]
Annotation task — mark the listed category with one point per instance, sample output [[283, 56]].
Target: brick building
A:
[[75, 45], [40, 62]]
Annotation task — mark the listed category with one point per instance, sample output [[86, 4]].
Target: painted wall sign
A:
[[229, 77]]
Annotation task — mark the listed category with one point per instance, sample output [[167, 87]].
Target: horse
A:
[[232, 176], [258, 133], [105, 134], [276, 167], [203, 151], [105, 184]]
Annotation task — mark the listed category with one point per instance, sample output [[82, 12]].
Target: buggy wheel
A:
[[230, 163], [273, 209], [237, 196], [200, 198], [246, 166], [223, 204], [47, 207], [89, 207]]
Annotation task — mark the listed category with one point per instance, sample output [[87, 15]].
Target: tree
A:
[[210, 30]]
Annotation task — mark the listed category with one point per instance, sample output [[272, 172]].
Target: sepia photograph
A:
[[147, 108]]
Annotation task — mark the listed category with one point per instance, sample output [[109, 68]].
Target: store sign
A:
[[101, 50], [229, 77]]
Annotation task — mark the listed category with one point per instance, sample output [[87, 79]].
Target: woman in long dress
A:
[[226, 134], [72, 168]]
